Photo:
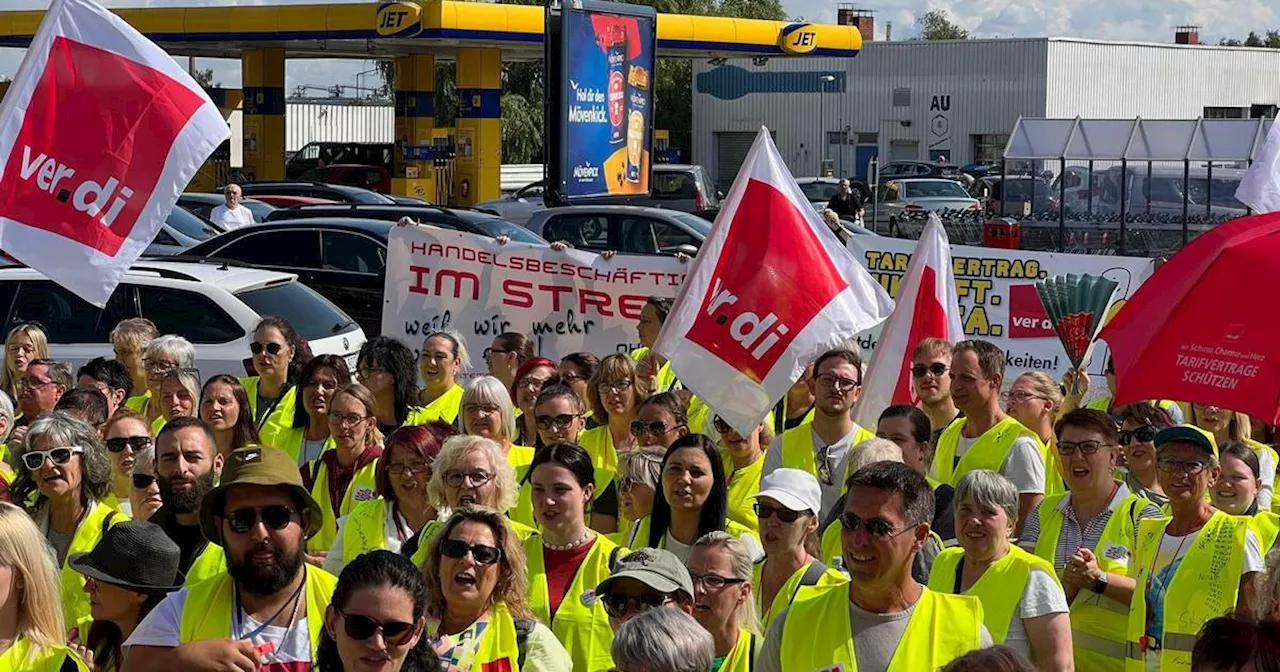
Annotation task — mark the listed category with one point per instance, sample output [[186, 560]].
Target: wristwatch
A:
[[1100, 584]]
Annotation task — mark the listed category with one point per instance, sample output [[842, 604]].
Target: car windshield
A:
[[702, 226], [363, 195], [934, 189], [311, 314], [1223, 194], [819, 191], [190, 225], [496, 226]]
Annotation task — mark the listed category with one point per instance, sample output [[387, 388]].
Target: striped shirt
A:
[[1072, 537]]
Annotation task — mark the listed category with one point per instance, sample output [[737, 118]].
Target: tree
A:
[[936, 24], [205, 78], [1268, 40]]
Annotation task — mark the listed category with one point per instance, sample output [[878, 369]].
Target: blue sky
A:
[[1144, 20]]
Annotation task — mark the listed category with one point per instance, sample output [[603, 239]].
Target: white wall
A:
[[315, 122]]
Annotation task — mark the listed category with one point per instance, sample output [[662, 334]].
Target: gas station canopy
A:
[[1224, 140]]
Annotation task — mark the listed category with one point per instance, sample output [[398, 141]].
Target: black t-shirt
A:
[[845, 205], [944, 514], [189, 538]]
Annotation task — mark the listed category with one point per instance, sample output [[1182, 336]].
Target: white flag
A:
[[1260, 187], [770, 290], [927, 306], [99, 134]]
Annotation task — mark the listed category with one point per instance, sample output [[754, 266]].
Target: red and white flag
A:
[[771, 289], [99, 134], [927, 307]]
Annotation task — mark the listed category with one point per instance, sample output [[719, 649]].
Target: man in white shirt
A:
[[232, 215]]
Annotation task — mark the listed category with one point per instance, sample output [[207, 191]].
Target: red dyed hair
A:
[[424, 440], [529, 365]]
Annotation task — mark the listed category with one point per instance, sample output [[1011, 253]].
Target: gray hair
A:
[[743, 563], [177, 347], [7, 412], [490, 390], [872, 450], [144, 461], [642, 465], [190, 380], [989, 490], [63, 429], [666, 640], [453, 450], [59, 372]]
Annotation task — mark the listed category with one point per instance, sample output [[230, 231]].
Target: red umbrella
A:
[[1205, 327]]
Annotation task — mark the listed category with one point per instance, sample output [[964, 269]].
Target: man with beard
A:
[[267, 611], [187, 465]]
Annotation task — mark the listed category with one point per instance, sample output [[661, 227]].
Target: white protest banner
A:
[[99, 133], [570, 301], [998, 300]]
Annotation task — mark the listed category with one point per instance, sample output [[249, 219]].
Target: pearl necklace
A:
[[587, 536]]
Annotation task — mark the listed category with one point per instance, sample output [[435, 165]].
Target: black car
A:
[[203, 205], [896, 170], [334, 192], [456, 219]]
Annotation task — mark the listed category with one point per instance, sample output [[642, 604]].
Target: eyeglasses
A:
[[34, 459], [360, 628], [347, 419], [481, 409], [405, 469], [555, 423], [936, 368], [571, 378], [655, 428], [1085, 447], [271, 348], [327, 385], [628, 483], [488, 352], [786, 515], [456, 479], [158, 366], [137, 443], [713, 583], [275, 517], [1018, 396], [483, 555], [1145, 434], [618, 606], [617, 386], [876, 527], [1190, 468], [530, 383], [32, 383], [837, 383], [721, 426], [367, 373], [143, 481]]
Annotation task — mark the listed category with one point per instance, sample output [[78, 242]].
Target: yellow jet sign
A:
[[399, 19], [798, 38]]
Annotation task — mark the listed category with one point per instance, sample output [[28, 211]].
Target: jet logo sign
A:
[[399, 19], [798, 38]]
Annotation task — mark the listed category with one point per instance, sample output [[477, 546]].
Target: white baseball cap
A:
[[795, 489]]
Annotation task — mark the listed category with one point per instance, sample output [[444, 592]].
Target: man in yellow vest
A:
[[986, 437], [187, 467], [267, 612], [821, 447], [931, 381], [882, 619]]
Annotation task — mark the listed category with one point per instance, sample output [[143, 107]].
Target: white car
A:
[[214, 305]]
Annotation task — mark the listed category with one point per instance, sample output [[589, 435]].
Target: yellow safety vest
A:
[[520, 458], [22, 656], [699, 412], [1097, 621], [1053, 481], [157, 425], [1267, 526], [281, 415], [444, 408], [817, 634], [743, 483], [598, 443], [742, 657], [580, 623], [498, 643], [988, 452], [289, 438], [638, 537], [75, 602], [522, 532], [799, 451], [364, 530], [138, 403], [1000, 587], [1104, 404], [207, 611], [363, 488], [1205, 585], [666, 378], [211, 562], [1262, 450], [789, 589]]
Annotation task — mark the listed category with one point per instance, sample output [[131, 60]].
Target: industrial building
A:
[[959, 100]]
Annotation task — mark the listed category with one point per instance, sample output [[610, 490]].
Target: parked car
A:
[[674, 186], [215, 306], [279, 202], [456, 219], [897, 170], [1160, 193], [902, 201], [335, 192], [362, 153], [1011, 194], [819, 190], [1074, 188], [203, 205], [624, 228], [517, 206], [181, 229], [373, 178]]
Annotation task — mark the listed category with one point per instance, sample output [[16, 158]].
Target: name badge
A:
[[588, 597], [364, 495]]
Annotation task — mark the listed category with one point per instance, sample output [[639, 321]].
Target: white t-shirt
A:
[[1041, 597], [837, 457], [1165, 564], [683, 551], [391, 539], [1266, 474], [231, 219], [1024, 466], [291, 647]]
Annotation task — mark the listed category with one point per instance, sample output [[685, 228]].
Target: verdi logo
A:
[[85, 195]]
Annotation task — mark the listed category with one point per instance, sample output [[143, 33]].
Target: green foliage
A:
[[205, 78], [1268, 40], [936, 24]]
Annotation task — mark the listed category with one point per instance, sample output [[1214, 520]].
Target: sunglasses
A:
[[639, 428], [875, 527], [137, 443], [34, 459], [618, 606], [786, 515], [483, 555], [271, 348], [143, 481], [1145, 434], [936, 368], [555, 423], [275, 517], [360, 628]]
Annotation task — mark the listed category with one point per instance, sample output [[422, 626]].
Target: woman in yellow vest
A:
[[656, 373], [661, 419], [1227, 426], [639, 473], [33, 634], [614, 402], [558, 414], [307, 436], [179, 397], [164, 355], [720, 567], [442, 357], [129, 340], [692, 500], [1035, 400], [487, 412], [1196, 565], [224, 406], [530, 378], [24, 344], [345, 475], [567, 560], [66, 471], [576, 370], [1236, 491], [478, 617], [386, 367], [379, 593], [744, 463], [1138, 426], [127, 436], [1023, 605], [402, 508], [276, 349]]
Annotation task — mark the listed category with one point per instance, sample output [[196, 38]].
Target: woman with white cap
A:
[[787, 506]]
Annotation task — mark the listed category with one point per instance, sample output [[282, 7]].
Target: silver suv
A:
[[675, 186]]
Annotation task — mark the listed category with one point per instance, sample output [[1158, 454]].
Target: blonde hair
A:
[[1045, 387], [453, 450], [1239, 428], [513, 568], [613, 368], [362, 394], [135, 332], [490, 390], [743, 565], [642, 464], [831, 218], [8, 379], [23, 550], [189, 379], [870, 451]]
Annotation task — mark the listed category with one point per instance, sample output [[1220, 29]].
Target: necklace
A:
[[586, 536]]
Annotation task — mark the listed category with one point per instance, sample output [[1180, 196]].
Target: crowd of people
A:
[[591, 514]]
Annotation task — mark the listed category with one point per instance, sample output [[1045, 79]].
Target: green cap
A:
[[1188, 434], [256, 465], [657, 568]]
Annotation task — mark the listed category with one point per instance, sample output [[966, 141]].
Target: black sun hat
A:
[[134, 555]]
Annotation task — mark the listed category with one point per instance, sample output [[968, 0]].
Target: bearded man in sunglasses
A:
[[266, 612]]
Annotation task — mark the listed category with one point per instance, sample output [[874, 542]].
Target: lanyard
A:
[[274, 402], [237, 624]]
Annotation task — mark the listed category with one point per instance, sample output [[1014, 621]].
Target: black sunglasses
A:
[[936, 368], [137, 443], [618, 606], [143, 481], [654, 428], [721, 426], [786, 515], [1145, 434], [555, 422], [360, 628], [875, 527], [483, 555], [271, 348], [275, 517]]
